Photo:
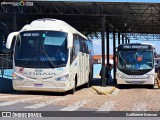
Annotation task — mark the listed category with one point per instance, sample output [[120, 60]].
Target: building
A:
[[97, 59]]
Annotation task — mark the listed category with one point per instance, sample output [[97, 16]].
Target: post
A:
[[107, 46], [14, 20], [103, 52], [126, 40], [122, 39], [119, 38], [114, 56]]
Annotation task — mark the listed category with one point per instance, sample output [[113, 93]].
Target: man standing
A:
[[109, 76]]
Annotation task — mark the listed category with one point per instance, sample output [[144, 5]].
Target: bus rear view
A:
[[135, 64]]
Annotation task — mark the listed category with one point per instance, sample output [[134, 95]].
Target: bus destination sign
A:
[[136, 47]]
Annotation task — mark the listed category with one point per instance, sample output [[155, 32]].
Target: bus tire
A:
[[88, 84], [73, 90], [119, 86], [151, 86]]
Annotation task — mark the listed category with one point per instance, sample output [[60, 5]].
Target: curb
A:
[[158, 82], [103, 92]]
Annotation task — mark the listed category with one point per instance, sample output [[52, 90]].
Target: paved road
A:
[[128, 99]]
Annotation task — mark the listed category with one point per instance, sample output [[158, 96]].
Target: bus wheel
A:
[[119, 86], [72, 91], [88, 84], [151, 86]]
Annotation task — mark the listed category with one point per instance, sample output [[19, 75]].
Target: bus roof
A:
[[51, 24]]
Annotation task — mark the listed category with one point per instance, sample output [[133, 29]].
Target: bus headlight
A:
[[149, 76], [17, 77], [62, 78], [122, 76], [119, 75]]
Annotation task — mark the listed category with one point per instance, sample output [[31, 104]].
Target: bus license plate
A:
[[38, 85]]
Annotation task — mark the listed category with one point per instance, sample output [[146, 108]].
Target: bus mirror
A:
[[70, 40], [10, 39], [116, 51]]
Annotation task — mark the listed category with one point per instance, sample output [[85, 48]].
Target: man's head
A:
[[109, 65]]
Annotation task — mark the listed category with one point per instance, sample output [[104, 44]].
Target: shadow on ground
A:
[[6, 85], [7, 88]]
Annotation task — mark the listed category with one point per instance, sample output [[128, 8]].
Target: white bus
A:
[[135, 64], [50, 55]]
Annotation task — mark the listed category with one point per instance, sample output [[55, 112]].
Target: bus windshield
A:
[[135, 60], [41, 49]]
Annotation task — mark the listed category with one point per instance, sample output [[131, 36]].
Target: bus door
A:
[[80, 70], [81, 61], [84, 63], [85, 67]]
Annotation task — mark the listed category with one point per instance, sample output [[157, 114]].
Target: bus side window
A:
[[81, 43], [76, 48], [87, 46]]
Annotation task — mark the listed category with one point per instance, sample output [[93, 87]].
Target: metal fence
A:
[[6, 65], [6, 73], [158, 72]]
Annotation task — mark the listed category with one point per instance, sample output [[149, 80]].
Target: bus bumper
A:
[[57, 86], [135, 81]]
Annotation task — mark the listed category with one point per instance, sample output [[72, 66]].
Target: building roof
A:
[[100, 56], [129, 18]]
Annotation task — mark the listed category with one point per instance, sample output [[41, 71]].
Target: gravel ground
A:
[[126, 100]]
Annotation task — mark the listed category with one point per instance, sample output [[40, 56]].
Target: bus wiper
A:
[[53, 65], [61, 65]]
